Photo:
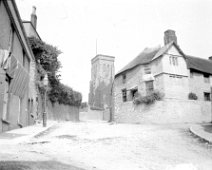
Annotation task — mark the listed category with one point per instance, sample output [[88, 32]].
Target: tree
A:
[[46, 58]]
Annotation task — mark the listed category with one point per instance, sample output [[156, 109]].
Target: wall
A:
[[198, 86], [175, 77], [62, 112], [167, 111], [17, 113]]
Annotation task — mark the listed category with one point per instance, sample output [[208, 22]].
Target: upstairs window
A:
[[124, 78], [147, 70], [124, 95], [173, 60], [207, 96], [206, 78], [149, 86]]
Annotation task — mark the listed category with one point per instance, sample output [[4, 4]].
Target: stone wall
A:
[[62, 112], [166, 111], [198, 85]]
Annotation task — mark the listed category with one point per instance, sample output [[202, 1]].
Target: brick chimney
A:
[[34, 17], [169, 36]]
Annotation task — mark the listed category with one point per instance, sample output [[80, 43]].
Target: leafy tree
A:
[[46, 58]]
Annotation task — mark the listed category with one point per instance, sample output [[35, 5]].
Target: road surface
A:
[[103, 146]]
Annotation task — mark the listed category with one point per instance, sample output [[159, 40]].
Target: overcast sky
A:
[[123, 28]]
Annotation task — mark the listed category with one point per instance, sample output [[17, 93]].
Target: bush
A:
[[149, 99], [192, 96]]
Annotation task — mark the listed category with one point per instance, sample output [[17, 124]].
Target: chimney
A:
[[210, 58], [169, 36], [34, 17]]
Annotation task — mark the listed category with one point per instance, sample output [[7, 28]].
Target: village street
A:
[[104, 146]]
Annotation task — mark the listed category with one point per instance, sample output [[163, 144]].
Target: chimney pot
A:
[[34, 17], [169, 36], [34, 10]]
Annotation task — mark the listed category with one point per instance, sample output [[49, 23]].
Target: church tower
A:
[[102, 76]]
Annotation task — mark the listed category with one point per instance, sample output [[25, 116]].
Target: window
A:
[[147, 70], [207, 96], [206, 78], [133, 93], [173, 60], [149, 86], [170, 60], [124, 95], [124, 78], [191, 74]]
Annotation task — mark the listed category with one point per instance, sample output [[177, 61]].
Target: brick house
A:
[[170, 71], [15, 58]]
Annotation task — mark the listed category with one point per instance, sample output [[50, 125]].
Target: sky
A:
[[120, 28]]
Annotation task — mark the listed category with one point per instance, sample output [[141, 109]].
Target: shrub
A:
[[148, 99], [192, 96]]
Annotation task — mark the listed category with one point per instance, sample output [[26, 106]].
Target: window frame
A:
[[124, 95], [133, 93], [206, 78], [124, 77], [149, 89], [207, 96]]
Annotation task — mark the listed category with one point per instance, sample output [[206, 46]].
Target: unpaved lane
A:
[[121, 147]]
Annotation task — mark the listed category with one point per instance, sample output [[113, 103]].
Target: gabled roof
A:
[[35, 31], [15, 18], [144, 57], [148, 55], [199, 64]]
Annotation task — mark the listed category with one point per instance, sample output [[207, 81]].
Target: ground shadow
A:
[[38, 165], [207, 128], [10, 135]]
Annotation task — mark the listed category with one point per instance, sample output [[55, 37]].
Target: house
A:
[[174, 74], [34, 97], [15, 58]]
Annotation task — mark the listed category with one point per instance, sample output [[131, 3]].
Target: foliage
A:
[[192, 96], [148, 99], [84, 105], [46, 58]]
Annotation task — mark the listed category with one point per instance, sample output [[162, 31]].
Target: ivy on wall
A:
[[148, 99], [46, 58]]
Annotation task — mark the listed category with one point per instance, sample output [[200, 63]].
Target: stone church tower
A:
[[102, 76]]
